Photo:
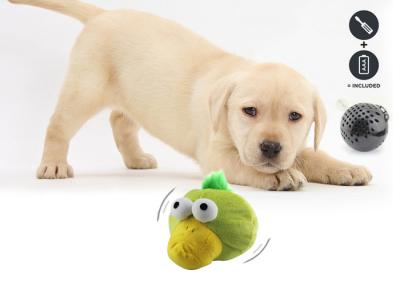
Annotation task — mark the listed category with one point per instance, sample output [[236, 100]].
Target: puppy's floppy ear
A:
[[218, 99], [319, 119]]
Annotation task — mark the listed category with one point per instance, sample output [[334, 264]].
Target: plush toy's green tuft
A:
[[216, 181]]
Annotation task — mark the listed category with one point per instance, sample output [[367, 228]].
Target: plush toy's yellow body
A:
[[210, 224]]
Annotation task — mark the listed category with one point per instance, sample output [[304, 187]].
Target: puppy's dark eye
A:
[[294, 116], [251, 111]]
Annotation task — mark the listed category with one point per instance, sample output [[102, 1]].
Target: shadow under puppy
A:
[[226, 112]]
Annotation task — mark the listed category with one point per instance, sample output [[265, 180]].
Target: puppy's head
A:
[[268, 111]]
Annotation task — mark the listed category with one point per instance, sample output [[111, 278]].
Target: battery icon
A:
[[363, 64]]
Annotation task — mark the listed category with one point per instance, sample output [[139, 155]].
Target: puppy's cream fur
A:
[[155, 74]]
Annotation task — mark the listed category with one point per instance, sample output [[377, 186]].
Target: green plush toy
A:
[[209, 224]]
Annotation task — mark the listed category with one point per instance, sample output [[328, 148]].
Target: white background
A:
[[100, 227]]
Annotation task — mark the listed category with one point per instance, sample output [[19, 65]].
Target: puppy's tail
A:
[[74, 8]]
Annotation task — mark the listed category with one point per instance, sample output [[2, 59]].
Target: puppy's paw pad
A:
[[361, 176], [287, 180], [291, 180], [142, 161], [350, 176], [54, 171]]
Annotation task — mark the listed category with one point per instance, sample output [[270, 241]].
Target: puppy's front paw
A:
[[54, 171], [142, 161], [286, 180], [349, 175]]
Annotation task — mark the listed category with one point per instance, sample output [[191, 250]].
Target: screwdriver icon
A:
[[364, 25]]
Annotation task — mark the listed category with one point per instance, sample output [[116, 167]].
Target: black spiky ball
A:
[[364, 126]]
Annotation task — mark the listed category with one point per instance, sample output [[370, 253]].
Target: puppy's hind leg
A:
[[77, 103], [125, 131]]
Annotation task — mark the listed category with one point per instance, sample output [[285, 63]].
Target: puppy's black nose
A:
[[270, 149]]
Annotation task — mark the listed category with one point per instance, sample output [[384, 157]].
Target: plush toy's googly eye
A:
[[204, 210], [181, 208]]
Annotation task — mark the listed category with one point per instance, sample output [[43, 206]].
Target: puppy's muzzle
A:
[[270, 149]]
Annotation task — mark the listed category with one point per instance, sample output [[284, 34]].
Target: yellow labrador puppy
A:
[[226, 112]]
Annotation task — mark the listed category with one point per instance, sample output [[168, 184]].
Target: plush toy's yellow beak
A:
[[193, 245]]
